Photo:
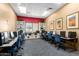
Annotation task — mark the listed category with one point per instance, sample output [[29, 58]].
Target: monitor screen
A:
[[3, 37], [0, 40], [6, 36], [13, 35], [63, 33], [72, 34]]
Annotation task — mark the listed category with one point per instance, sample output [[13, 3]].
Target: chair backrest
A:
[[49, 35], [63, 33], [57, 38], [20, 32], [72, 34]]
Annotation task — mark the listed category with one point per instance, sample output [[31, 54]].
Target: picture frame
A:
[[35, 27], [59, 23], [29, 27], [51, 25], [72, 21]]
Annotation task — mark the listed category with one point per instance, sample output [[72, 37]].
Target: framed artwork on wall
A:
[[35, 27], [29, 27], [72, 20], [59, 23], [51, 25], [20, 25]]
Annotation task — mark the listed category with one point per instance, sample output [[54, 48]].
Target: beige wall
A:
[[62, 13], [7, 18]]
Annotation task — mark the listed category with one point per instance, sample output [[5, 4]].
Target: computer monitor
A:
[[3, 37], [13, 35], [6, 35], [63, 33], [72, 34], [51, 31], [0, 39]]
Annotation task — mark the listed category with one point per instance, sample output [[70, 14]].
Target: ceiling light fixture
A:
[[22, 9], [47, 12]]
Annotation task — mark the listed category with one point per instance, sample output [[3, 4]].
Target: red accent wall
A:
[[30, 19]]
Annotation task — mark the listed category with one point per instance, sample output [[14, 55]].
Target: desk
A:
[[9, 44], [72, 42], [67, 38]]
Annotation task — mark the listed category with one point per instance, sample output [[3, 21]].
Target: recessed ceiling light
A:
[[22, 9], [47, 12]]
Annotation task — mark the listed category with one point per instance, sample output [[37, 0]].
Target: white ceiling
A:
[[36, 9]]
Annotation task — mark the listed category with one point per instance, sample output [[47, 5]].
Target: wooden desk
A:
[[71, 42]]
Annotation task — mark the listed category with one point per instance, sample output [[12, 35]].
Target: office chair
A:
[[21, 37], [14, 48], [44, 35], [36, 34], [18, 42], [49, 36], [58, 41]]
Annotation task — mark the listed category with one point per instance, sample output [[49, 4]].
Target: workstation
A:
[[11, 42], [51, 29], [70, 41]]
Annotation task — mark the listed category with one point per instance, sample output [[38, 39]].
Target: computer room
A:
[[39, 29]]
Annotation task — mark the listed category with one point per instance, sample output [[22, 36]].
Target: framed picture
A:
[[59, 23], [35, 27], [51, 25], [29, 27], [72, 21]]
